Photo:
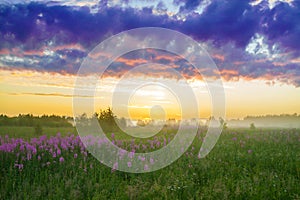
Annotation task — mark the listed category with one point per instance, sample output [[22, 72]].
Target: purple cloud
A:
[[44, 36]]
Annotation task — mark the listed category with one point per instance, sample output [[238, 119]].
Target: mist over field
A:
[[277, 121]]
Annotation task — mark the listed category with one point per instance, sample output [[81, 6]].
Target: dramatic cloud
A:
[[247, 39]]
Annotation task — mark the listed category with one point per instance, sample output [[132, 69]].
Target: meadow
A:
[[245, 164]]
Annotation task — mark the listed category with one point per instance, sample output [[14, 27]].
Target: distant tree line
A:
[[108, 121], [283, 120], [281, 117], [33, 121]]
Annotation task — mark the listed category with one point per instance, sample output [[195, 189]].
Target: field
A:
[[28, 132], [245, 164]]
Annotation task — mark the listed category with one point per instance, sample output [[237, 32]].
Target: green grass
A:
[[28, 132], [271, 170]]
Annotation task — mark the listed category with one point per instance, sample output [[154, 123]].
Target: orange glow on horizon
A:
[[25, 91]]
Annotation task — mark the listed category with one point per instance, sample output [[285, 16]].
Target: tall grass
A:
[[245, 164]]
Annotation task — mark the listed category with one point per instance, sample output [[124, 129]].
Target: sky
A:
[[255, 45]]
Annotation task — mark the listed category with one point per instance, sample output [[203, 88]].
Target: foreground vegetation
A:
[[245, 164]]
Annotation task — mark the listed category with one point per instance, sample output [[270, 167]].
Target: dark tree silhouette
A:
[[107, 120]]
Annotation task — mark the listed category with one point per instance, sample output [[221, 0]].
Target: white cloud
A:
[[16, 59], [258, 46], [202, 6], [271, 3]]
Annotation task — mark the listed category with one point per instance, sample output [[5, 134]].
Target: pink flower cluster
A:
[[43, 149]]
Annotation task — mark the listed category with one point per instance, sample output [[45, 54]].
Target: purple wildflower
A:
[[146, 167], [61, 159], [20, 166], [151, 161], [131, 154], [142, 158]]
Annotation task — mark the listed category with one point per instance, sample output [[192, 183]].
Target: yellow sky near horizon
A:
[[49, 93]]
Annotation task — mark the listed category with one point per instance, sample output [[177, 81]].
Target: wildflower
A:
[[29, 156], [146, 167], [75, 155], [151, 161], [249, 151], [61, 159], [119, 143], [20, 166], [142, 158], [131, 154], [48, 163], [34, 150], [39, 157], [129, 164], [158, 144], [234, 139], [122, 153]]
